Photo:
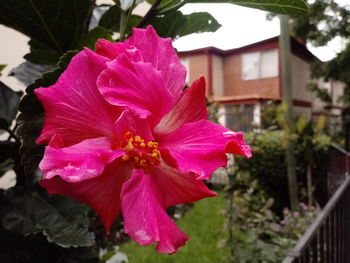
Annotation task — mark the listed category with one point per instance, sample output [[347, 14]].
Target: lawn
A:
[[204, 224]]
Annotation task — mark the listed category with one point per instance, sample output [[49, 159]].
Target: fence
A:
[[327, 240]]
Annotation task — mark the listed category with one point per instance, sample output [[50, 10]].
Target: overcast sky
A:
[[241, 26]]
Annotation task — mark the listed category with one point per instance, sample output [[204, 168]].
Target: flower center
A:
[[144, 155]]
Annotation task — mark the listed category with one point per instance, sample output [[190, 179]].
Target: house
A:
[[245, 79]]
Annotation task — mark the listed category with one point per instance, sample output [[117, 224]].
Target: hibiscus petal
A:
[[200, 147], [145, 219], [191, 107], [145, 45], [136, 85], [128, 122], [78, 162], [101, 193], [236, 143], [74, 108], [179, 188]]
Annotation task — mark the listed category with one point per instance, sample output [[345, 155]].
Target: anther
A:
[[126, 158]]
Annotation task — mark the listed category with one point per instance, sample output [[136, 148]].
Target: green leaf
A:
[[111, 18], [8, 151], [61, 219], [55, 24], [175, 24], [2, 66], [5, 166], [43, 56], [165, 4], [92, 36], [198, 23], [9, 100], [289, 7]]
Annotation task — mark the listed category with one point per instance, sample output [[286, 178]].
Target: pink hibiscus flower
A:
[[123, 135]]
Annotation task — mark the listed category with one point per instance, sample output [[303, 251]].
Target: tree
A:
[[326, 21]]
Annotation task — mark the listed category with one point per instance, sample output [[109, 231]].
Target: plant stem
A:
[[285, 52], [122, 26], [124, 20], [12, 134]]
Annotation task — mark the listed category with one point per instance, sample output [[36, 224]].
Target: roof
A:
[[298, 49]]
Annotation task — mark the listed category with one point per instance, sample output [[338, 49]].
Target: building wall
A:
[[235, 86], [198, 67], [218, 76], [300, 78], [337, 90]]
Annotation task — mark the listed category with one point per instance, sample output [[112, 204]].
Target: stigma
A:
[[144, 155]]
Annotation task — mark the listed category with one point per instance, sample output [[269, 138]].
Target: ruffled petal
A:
[[236, 143], [145, 45], [137, 86], [129, 122], [199, 147], [78, 162], [191, 107], [145, 219], [74, 108], [101, 193]]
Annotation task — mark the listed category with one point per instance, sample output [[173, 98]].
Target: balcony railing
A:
[[327, 240]]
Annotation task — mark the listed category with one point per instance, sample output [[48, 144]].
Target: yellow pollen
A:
[[126, 157], [143, 163], [144, 155], [129, 146]]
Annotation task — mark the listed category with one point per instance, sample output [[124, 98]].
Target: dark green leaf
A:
[[5, 166], [9, 100], [61, 219], [111, 19], [198, 23], [90, 38], [133, 21], [43, 57], [2, 66], [28, 72], [8, 151], [290, 7], [175, 24], [31, 120], [170, 24], [55, 24], [165, 4]]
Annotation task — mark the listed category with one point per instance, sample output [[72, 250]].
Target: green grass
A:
[[204, 224]]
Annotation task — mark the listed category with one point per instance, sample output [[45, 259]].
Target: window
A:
[[239, 117], [260, 65]]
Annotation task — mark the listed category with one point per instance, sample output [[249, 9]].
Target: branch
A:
[[12, 134], [152, 12]]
